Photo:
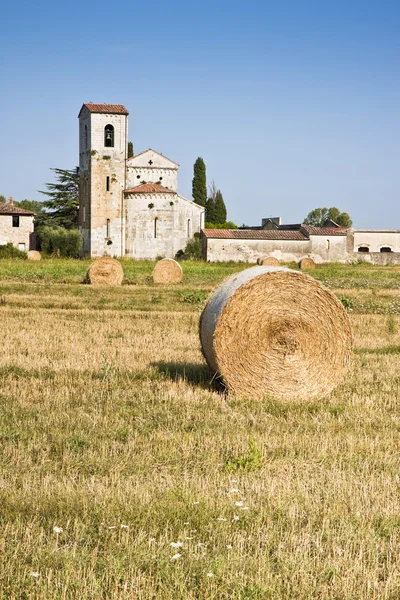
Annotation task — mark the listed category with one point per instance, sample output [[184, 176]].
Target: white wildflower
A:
[[210, 574], [196, 502], [239, 503], [176, 544], [152, 539], [35, 574], [233, 480], [186, 523], [124, 526], [112, 527], [244, 508], [221, 519], [234, 491], [200, 545], [57, 529], [176, 556], [229, 547], [189, 538], [236, 517]]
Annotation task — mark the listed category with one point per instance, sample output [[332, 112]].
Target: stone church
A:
[[128, 206]]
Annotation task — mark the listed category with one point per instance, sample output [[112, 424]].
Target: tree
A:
[[319, 216], [199, 182], [130, 149], [63, 199], [3, 198], [220, 208]]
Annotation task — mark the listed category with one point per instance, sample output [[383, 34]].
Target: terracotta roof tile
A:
[[10, 209], [149, 188], [252, 234], [310, 230], [114, 109]]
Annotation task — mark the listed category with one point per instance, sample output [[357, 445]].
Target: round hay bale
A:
[[105, 271], [167, 271], [270, 261], [260, 259], [272, 330], [34, 255], [306, 264]]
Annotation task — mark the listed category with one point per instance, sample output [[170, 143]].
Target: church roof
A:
[[155, 152], [113, 109], [149, 188], [10, 209]]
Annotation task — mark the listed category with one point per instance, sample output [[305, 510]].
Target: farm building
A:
[[128, 206], [16, 226], [289, 243]]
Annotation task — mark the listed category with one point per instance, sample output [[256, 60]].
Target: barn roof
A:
[[252, 234]]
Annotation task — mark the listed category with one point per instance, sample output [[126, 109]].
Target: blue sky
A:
[[291, 104]]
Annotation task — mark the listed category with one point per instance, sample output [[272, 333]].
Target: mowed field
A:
[[126, 474]]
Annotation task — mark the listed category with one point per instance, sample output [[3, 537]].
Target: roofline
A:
[[151, 150], [111, 112], [27, 213], [191, 202]]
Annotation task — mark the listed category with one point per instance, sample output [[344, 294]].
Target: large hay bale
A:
[[272, 330], [261, 258], [270, 261], [306, 264], [34, 255], [105, 271], [167, 271]]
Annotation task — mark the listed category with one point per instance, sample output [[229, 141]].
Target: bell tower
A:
[[103, 151]]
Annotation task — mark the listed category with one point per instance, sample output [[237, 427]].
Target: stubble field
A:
[[125, 474]]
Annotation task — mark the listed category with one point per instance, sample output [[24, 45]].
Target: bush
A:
[[227, 225], [60, 242], [10, 251], [193, 249]]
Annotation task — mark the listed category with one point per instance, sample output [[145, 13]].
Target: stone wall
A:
[[159, 224], [18, 236]]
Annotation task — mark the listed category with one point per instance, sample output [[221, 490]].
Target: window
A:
[[15, 220], [137, 176], [155, 227], [108, 228], [188, 228], [363, 249], [107, 184], [21, 246], [160, 178], [109, 136], [386, 249]]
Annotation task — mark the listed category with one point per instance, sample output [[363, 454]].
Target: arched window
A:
[[108, 228], [363, 249], [188, 228], [86, 138], [155, 227], [109, 136], [385, 249]]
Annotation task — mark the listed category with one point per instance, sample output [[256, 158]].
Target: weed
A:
[[246, 462]]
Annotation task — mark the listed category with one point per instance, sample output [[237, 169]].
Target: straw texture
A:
[[306, 264], [270, 261], [260, 259], [34, 255], [105, 271], [167, 271], [271, 330]]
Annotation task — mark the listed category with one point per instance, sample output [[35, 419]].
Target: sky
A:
[[292, 105]]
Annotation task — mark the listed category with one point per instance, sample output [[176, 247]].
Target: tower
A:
[[103, 151]]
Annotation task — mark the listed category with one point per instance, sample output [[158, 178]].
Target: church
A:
[[128, 207]]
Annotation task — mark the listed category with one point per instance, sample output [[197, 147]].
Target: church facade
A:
[[128, 207]]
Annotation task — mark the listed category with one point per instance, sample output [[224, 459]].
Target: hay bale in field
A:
[[306, 264], [105, 271], [260, 259], [34, 255], [272, 330], [270, 261], [167, 271]]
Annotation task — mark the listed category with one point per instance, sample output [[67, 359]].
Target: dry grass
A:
[[108, 419]]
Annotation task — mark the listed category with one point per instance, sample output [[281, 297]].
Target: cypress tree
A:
[[199, 184], [210, 210], [130, 149], [220, 208]]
